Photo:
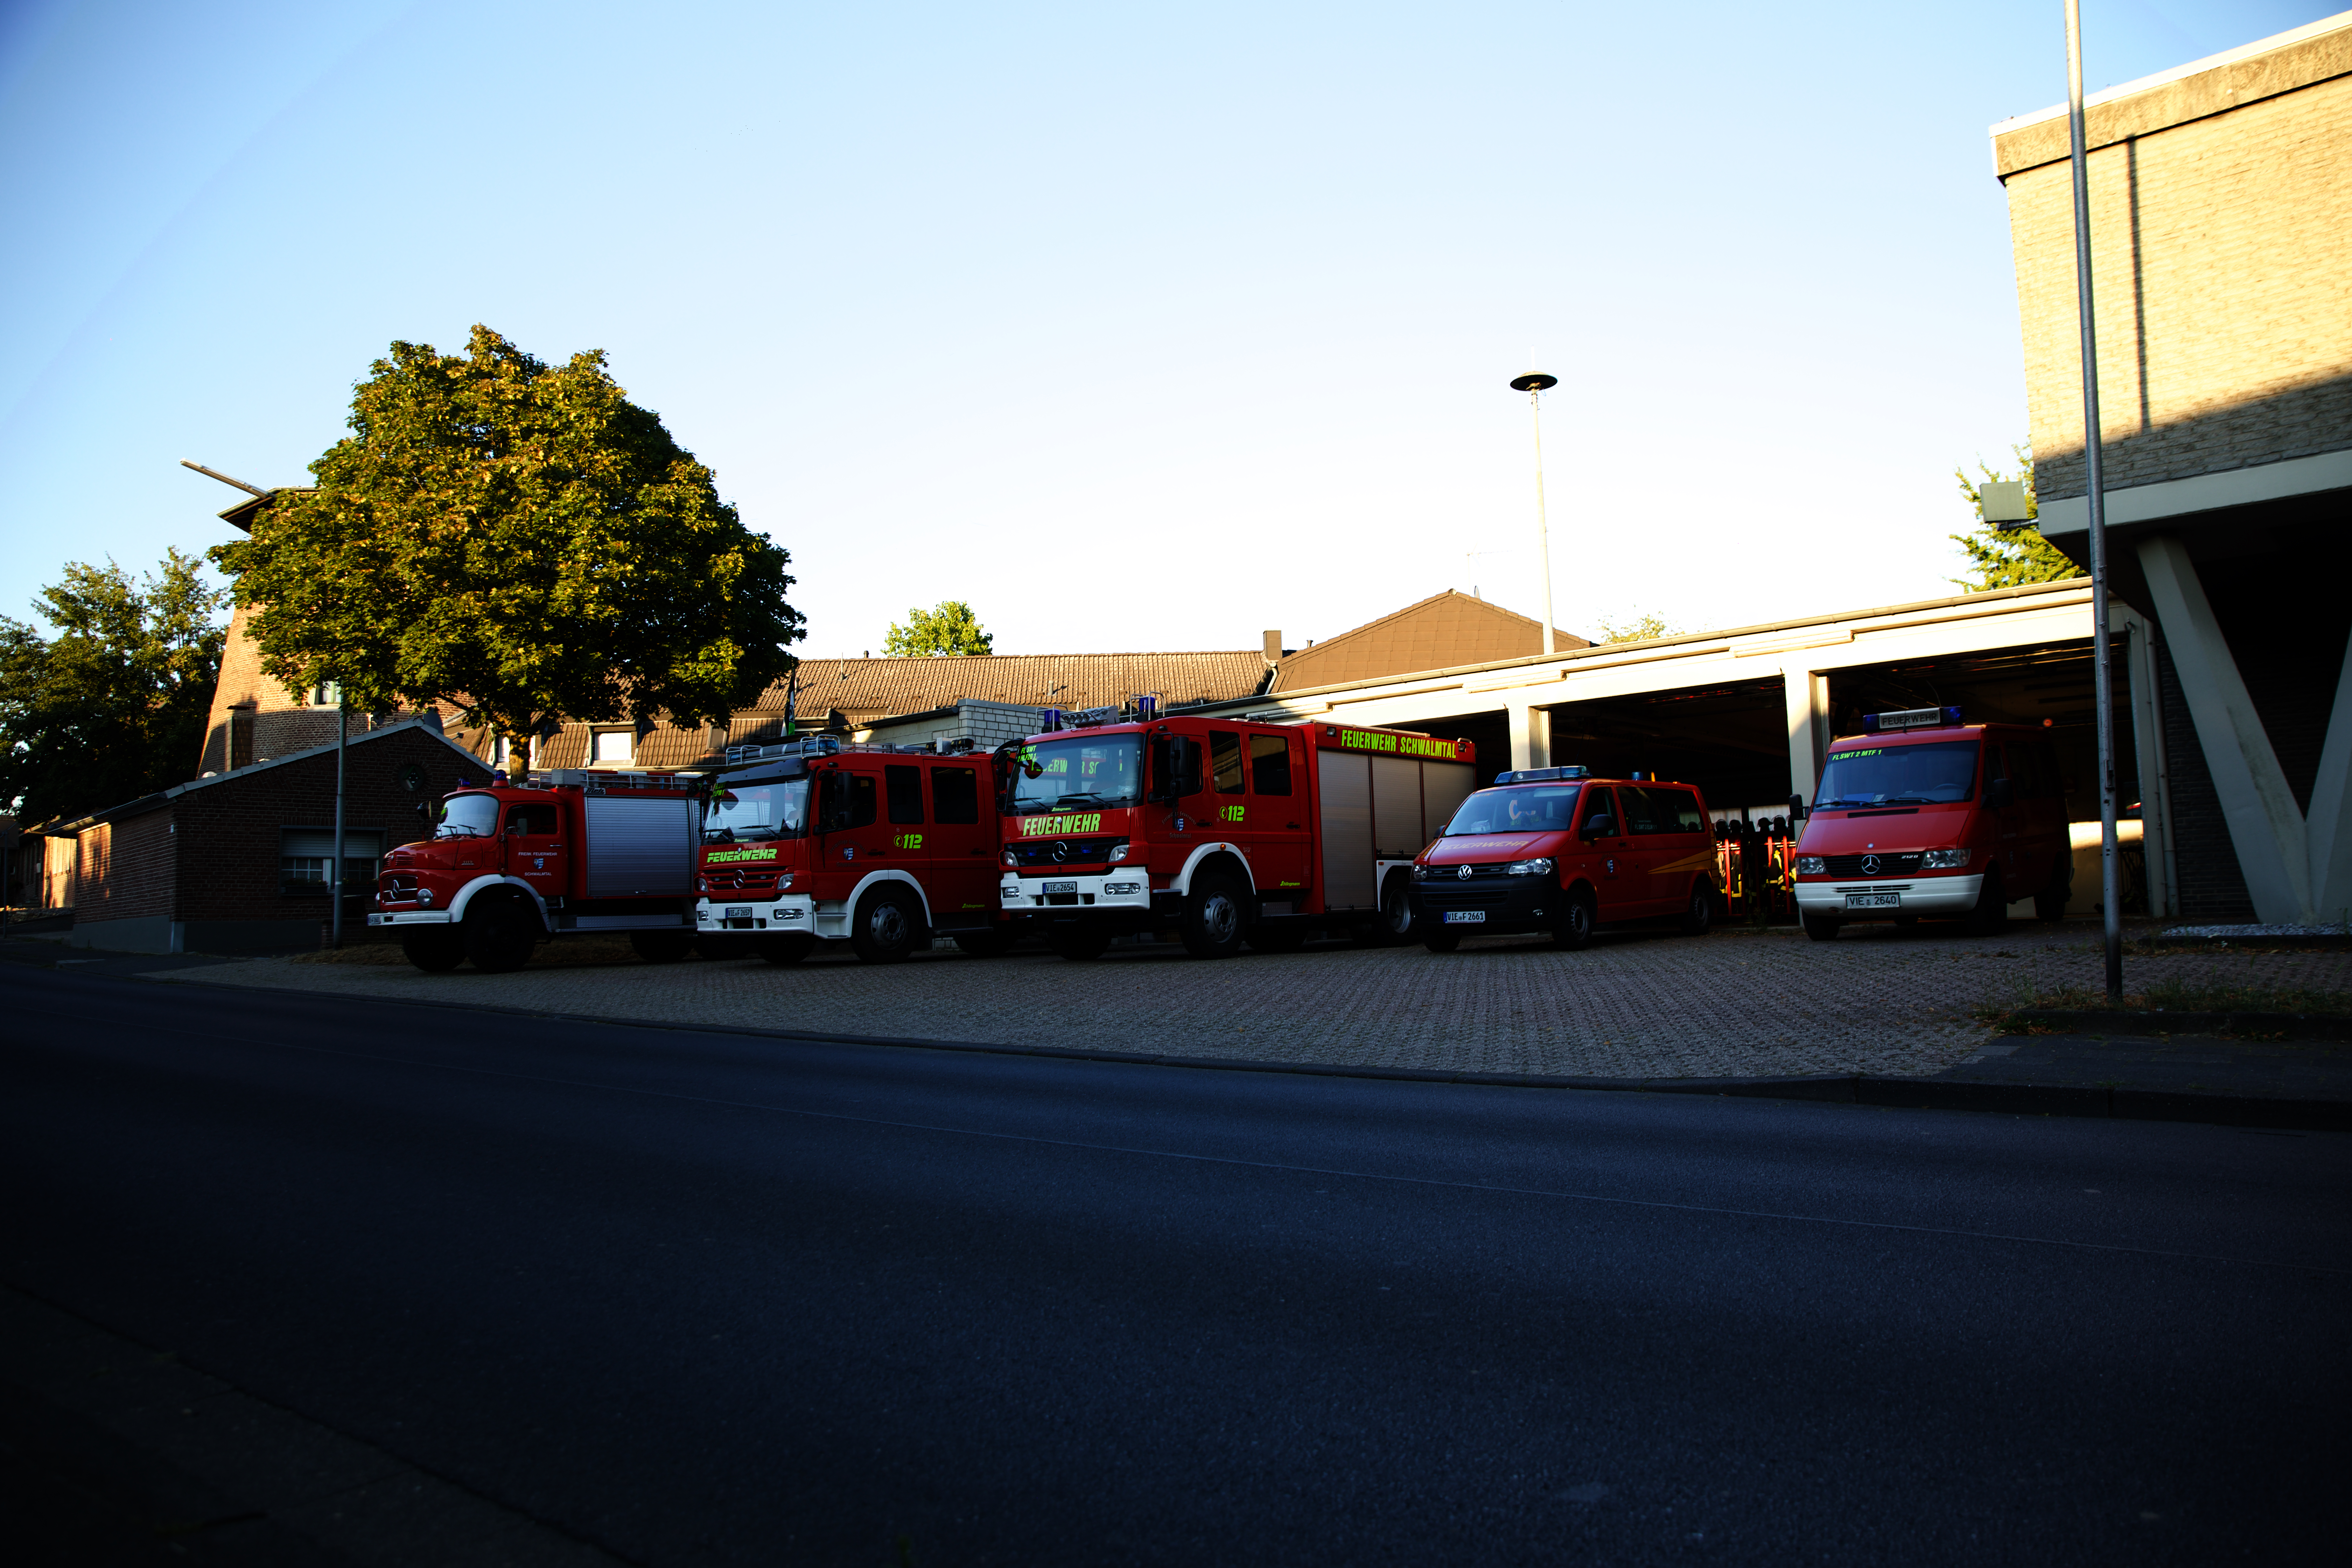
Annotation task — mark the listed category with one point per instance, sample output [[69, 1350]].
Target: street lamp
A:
[[1535, 384], [2103, 678]]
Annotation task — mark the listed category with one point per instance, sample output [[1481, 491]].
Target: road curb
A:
[[2156, 1021], [2118, 1102]]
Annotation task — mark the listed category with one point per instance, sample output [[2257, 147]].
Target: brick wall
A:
[[127, 869], [228, 839], [2221, 259], [256, 717]]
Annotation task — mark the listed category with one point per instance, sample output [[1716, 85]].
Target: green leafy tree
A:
[[1639, 627], [520, 541], [2007, 557], [110, 703], [948, 628]]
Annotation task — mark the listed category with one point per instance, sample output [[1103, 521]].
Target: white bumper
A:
[[1117, 889], [786, 912], [1935, 896], [408, 917]]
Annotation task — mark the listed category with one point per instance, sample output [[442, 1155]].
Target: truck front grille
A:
[[740, 878], [1887, 864]]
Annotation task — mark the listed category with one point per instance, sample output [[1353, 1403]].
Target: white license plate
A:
[[1874, 900], [739, 911], [1061, 887], [1465, 917]]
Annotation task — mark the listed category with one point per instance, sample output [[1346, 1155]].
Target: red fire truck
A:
[[887, 845], [587, 851], [1222, 830]]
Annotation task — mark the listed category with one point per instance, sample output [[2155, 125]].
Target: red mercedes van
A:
[[1548, 849], [1924, 816]]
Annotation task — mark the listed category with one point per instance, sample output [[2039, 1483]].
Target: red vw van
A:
[[1547, 849], [1922, 815]]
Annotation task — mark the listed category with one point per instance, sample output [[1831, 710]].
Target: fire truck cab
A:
[[588, 851], [1924, 816], [1221, 830], [884, 845]]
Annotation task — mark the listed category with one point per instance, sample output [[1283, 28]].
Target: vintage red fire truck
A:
[[1221, 830], [885, 846], [508, 866]]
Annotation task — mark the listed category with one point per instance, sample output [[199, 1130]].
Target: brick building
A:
[[241, 861], [2220, 198]]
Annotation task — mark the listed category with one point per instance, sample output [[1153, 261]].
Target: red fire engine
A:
[[1222, 830], [887, 845], [587, 851]]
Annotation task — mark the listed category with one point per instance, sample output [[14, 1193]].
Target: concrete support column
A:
[[2329, 826], [1530, 735], [2266, 828], [1807, 694], [2155, 772]]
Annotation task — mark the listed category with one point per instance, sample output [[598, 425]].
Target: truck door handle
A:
[[1290, 824]]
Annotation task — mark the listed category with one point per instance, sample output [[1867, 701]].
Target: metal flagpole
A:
[[1535, 384], [335, 884], [2103, 676]]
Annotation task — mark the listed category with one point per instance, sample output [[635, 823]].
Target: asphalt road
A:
[[711, 1298]]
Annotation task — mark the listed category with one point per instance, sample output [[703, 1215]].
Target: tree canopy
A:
[[1640, 626], [520, 541], [2007, 557], [109, 704], [948, 627]]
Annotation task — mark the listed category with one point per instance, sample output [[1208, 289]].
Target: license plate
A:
[[1465, 917], [1874, 900], [1061, 887], [739, 911]]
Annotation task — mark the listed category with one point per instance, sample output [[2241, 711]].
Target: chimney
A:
[[1273, 649]]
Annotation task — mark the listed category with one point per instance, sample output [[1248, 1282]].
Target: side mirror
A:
[[1183, 773], [1999, 794], [1598, 826], [1797, 812]]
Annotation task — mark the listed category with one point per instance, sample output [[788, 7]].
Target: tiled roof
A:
[[1439, 633], [868, 688]]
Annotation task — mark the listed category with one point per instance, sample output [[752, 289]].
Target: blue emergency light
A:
[[1146, 707], [1910, 719], [1053, 721], [1540, 775]]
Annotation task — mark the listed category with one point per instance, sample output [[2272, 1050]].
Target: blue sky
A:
[[1139, 328]]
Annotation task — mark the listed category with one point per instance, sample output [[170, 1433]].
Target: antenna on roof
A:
[[216, 474]]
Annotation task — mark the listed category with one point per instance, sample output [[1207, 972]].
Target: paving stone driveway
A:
[[1735, 1004]]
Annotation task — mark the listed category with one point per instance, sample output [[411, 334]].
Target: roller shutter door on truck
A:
[[640, 848], [1346, 803], [1443, 787]]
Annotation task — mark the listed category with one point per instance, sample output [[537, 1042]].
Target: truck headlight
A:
[[1120, 889], [1536, 868], [1119, 851], [1944, 859], [423, 898], [784, 882], [1813, 865]]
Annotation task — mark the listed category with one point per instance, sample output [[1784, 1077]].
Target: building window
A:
[[326, 694], [499, 752], [306, 857], [614, 746]]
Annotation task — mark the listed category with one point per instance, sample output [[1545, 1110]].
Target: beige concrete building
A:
[[2222, 246]]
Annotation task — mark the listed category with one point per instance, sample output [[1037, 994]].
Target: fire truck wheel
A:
[[1075, 941], [499, 933], [989, 943], [661, 946], [1439, 940], [1397, 924], [1212, 917], [1699, 918], [1820, 928], [436, 950], [790, 949], [1277, 936], [886, 926], [1575, 928], [1992, 912]]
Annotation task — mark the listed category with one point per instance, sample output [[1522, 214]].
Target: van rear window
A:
[[1933, 774]]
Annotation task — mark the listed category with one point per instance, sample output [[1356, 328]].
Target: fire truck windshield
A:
[[1516, 810], [1055, 776], [1929, 775], [468, 817], [757, 812]]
